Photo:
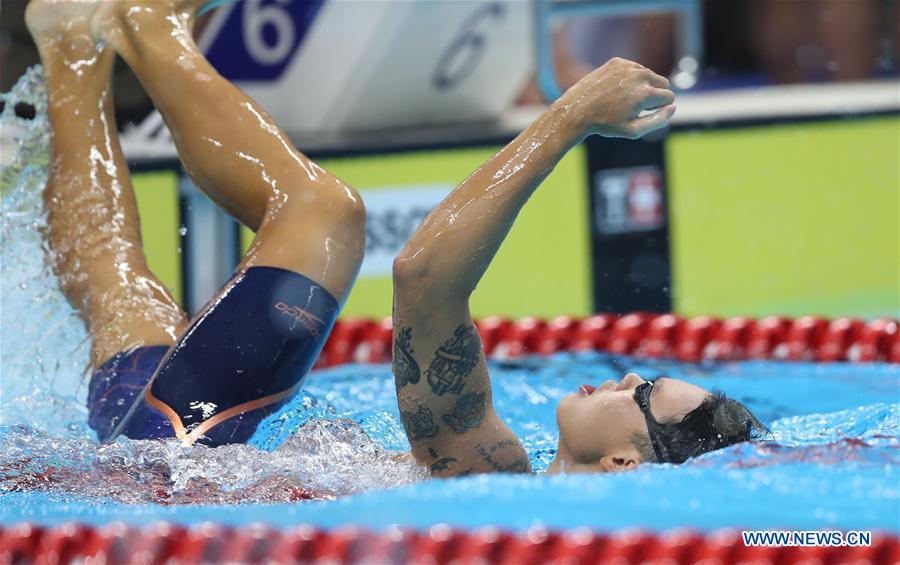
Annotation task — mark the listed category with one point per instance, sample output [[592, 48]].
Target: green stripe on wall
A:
[[157, 198], [543, 268], [790, 219]]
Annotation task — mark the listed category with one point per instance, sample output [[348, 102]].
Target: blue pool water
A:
[[832, 460], [329, 457]]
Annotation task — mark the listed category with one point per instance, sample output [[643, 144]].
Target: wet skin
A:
[[443, 387], [305, 220], [596, 424]]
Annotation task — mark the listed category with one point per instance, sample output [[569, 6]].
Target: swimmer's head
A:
[[619, 425]]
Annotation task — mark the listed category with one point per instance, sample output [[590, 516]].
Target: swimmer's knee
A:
[[349, 217], [329, 224], [344, 218], [340, 207], [349, 209]]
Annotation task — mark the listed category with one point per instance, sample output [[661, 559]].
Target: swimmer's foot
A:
[[61, 31], [62, 25], [129, 26]]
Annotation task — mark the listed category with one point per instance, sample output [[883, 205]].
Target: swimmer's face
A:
[[597, 424]]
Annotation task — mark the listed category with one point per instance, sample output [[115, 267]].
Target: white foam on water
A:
[[44, 351], [46, 444], [308, 451]]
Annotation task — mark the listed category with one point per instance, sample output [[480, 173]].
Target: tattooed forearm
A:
[[467, 414], [442, 464], [454, 360], [517, 465], [419, 424], [406, 370]]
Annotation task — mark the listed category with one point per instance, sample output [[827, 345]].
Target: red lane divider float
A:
[[649, 335], [116, 543], [366, 341]]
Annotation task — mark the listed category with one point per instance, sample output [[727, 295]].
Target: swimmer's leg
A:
[[249, 349], [94, 229], [306, 220]]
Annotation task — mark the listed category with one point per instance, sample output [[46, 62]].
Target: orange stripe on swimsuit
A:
[[242, 357]]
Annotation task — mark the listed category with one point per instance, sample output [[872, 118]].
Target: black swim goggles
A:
[[654, 429]]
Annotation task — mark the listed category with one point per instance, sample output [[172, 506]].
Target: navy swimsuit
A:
[[240, 359]]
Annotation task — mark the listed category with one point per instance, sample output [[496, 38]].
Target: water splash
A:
[[877, 425], [46, 444], [25, 141], [45, 349], [322, 460], [830, 423]]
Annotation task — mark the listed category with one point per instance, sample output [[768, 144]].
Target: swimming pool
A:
[[832, 461], [326, 459]]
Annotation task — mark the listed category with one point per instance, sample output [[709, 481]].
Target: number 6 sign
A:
[[461, 56], [270, 32], [333, 65], [257, 17]]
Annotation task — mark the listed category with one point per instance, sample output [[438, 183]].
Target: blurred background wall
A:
[[776, 191]]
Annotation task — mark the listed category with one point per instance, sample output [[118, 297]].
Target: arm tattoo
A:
[[420, 424], [406, 370], [518, 465], [454, 360], [442, 464], [467, 414]]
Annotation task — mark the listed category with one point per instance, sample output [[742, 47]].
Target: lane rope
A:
[[209, 543], [367, 341], [695, 339]]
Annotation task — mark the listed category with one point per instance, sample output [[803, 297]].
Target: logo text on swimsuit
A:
[[310, 322]]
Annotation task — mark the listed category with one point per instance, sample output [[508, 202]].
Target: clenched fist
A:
[[609, 100]]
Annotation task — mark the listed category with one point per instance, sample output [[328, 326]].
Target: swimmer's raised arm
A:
[[443, 388]]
